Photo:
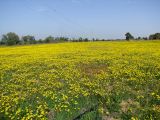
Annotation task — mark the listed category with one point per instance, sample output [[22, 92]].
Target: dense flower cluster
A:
[[61, 81]]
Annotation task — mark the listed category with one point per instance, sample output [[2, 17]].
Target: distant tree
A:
[[86, 40], [151, 37], [129, 36], [139, 38], [1, 43], [40, 41], [154, 36], [49, 39], [25, 39], [74, 40], [145, 38], [97, 39], [10, 39], [63, 39], [3, 40], [28, 39], [157, 35], [80, 39]]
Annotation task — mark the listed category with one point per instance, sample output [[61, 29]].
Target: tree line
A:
[[155, 36], [12, 38]]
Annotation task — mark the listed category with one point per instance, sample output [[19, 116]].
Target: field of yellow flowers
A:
[[81, 81]]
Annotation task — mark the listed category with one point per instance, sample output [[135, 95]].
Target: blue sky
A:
[[108, 19]]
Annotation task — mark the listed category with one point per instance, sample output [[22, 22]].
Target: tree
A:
[[86, 40], [154, 36], [10, 39], [63, 39], [139, 38], [28, 39], [49, 39], [40, 41], [151, 37], [145, 38], [129, 36], [80, 39], [4, 40]]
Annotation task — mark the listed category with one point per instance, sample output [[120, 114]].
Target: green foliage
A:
[[13, 39], [28, 39], [155, 36], [10, 39], [49, 39], [129, 36]]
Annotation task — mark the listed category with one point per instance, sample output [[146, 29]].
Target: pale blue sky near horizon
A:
[[105, 19]]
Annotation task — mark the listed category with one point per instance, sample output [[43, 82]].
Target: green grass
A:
[[104, 80]]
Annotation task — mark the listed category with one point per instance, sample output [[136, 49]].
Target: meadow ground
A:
[[86, 81]]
